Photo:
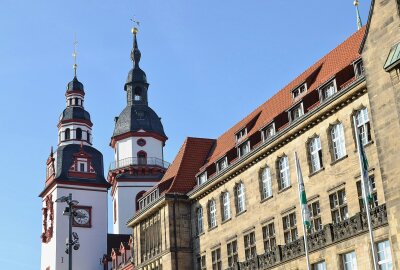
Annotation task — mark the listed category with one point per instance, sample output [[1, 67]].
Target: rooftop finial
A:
[[359, 23], [74, 54], [135, 53]]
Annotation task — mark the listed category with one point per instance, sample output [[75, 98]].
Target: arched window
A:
[[240, 198], [88, 136], [137, 198], [338, 141], [226, 206], [266, 183], [284, 175], [199, 220], [142, 158], [79, 134], [315, 153], [137, 94], [212, 214], [67, 134], [363, 125]]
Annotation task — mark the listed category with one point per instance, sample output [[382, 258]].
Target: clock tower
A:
[[76, 168]]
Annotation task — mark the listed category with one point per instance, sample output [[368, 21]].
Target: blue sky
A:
[[209, 63]]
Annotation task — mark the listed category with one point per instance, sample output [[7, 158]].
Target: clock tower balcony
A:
[[142, 162]]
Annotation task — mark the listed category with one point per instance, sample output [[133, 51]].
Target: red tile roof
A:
[[323, 70], [180, 176]]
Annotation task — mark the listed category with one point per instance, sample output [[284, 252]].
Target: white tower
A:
[[77, 168], [138, 142]]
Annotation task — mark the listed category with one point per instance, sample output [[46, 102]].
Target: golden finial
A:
[[136, 23], [355, 3], [74, 54]]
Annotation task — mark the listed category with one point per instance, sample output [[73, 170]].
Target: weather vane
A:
[[136, 25], [74, 54]]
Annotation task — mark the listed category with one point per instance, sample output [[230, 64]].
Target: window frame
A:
[[289, 225], [315, 154], [292, 116], [315, 215], [283, 172], [232, 252], [199, 220], [388, 260], [225, 206], [375, 201], [353, 259], [216, 261], [199, 177], [212, 214], [240, 198], [222, 164], [358, 72], [323, 88], [338, 141], [241, 134], [337, 207], [240, 148], [363, 128], [267, 128], [269, 238], [266, 183], [296, 95], [249, 241]]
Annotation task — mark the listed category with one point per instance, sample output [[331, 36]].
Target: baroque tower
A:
[[138, 141], [76, 168]]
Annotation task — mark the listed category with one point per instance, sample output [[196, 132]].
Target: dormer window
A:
[[222, 164], [241, 134], [359, 68], [328, 90], [82, 165], [299, 91], [244, 149], [202, 178], [268, 132], [296, 112]]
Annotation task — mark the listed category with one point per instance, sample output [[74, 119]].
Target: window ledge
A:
[[365, 145], [226, 220], [213, 228], [316, 172], [200, 234], [284, 189], [267, 199], [339, 159], [244, 211]]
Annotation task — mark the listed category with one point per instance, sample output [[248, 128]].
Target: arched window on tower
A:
[[137, 94], [142, 158], [67, 134], [79, 134]]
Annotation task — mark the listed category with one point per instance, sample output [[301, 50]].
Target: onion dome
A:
[[75, 86]]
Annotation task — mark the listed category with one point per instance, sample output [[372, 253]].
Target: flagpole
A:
[[299, 178], [364, 195]]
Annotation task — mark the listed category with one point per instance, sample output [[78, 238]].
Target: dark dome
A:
[[75, 85], [136, 75], [134, 118], [74, 113]]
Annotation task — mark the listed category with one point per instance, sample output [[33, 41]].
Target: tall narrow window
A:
[[250, 246], [240, 198], [216, 259], [142, 158], [79, 134], [338, 142], [359, 69], [222, 164], [349, 261], [374, 202], [384, 255], [201, 263], [212, 214], [269, 237], [284, 175], [297, 112], [232, 253], [199, 220], [266, 183], [338, 203], [363, 125], [315, 216], [67, 134], [226, 206], [138, 94], [289, 227], [315, 154]]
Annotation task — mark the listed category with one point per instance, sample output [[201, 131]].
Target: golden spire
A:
[[136, 24], [74, 54], [359, 22]]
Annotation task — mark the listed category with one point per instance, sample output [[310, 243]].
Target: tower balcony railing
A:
[[139, 161]]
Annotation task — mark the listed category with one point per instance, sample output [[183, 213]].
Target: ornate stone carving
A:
[[251, 264], [378, 217], [48, 217], [269, 259], [347, 228], [293, 249], [319, 239]]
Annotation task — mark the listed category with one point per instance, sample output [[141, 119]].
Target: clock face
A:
[[82, 217]]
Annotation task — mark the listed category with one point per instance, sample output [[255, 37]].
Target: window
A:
[[289, 227], [384, 255], [319, 266], [338, 205], [216, 259], [359, 69], [338, 143], [315, 154], [298, 91], [212, 214], [349, 261], [250, 246], [269, 237], [328, 90], [202, 178], [268, 132], [82, 167], [241, 134], [240, 198], [284, 175], [142, 158], [374, 202], [67, 134], [244, 148], [363, 125], [88, 136], [266, 183], [226, 206], [296, 112], [201, 262], [199, 219], [79, 134], [222, 164], [232, 253], [315, 216], [138, 94]]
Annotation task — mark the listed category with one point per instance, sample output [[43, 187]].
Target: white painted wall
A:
[[73, 126], [128, 147], [93, 240], [125, 196]]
